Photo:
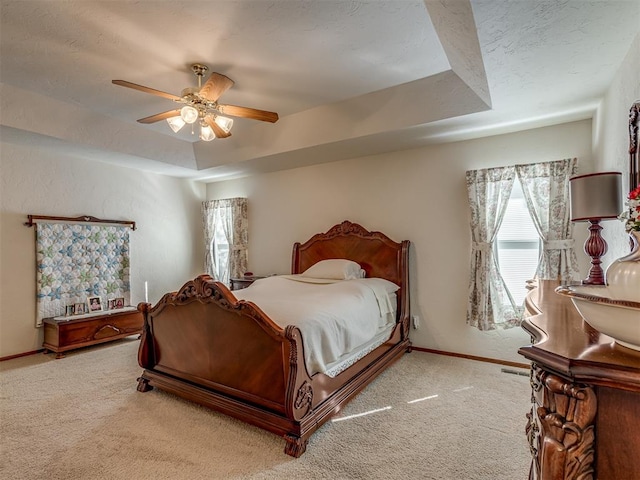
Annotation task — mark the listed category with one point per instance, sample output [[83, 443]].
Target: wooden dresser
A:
[[585, 417], [64, 335]]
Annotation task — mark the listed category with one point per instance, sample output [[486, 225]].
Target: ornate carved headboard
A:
[[376, 253], [634, 161]]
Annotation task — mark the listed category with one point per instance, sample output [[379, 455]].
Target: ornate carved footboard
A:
[[203, 344]]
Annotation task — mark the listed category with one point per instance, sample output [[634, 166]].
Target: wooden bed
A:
[[204, 345]]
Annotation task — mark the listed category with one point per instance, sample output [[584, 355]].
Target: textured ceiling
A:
[[348, 78]]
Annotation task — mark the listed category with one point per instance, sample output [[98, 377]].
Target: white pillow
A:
[[335, 268], [388, 286]]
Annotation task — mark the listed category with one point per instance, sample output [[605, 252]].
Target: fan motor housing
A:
[[199, 69]]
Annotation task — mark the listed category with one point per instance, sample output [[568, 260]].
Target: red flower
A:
[[631, 215]]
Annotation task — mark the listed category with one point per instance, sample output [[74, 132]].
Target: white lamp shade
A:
[[206, 133], [595, 196], [224, 123], [189, 114], [176, 123]]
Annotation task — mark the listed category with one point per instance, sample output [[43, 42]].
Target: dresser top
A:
[[565, 343]]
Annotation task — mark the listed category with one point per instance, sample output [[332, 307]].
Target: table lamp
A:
[[595, 197]]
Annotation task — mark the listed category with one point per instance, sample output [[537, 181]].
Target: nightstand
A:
[[243, 282]]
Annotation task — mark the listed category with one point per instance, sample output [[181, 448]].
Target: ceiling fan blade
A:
[[160, 116], [247, 112], [215, 86], [152, 91], [220, 133]]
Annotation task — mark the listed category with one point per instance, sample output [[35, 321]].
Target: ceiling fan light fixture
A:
[[225, 123], [176, 123], [200, 105], [206, 133], [189, 114]]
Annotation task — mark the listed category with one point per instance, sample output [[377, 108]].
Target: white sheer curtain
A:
[[490, 304], [546, 192], [226, 238]]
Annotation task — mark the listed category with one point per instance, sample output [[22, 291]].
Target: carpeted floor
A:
[[434, 417]]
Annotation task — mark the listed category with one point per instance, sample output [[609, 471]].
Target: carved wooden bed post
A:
[[634, 160]]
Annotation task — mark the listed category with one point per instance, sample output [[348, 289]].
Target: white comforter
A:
[[335, 317]]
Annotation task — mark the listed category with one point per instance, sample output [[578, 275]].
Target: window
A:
[[220, 245], [225, 238], [517, 249]]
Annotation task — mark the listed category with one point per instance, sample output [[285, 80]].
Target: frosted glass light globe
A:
[[224, 123], [189, 114], [176, 123], [206, 133]]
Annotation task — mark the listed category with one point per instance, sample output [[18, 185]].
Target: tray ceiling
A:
[[347, 78]]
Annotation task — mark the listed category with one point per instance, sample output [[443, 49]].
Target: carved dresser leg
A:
[[561, 428], [295, 446]]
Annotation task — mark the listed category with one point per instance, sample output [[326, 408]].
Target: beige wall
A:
[[611, 137], [419, 195], [166, 247]]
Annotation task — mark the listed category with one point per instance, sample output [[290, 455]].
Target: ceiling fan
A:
[[201, 105]]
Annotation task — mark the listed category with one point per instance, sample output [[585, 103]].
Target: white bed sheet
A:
[[337, 318]]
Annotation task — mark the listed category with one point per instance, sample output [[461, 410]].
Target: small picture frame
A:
[[80, 309], [94, 304], [115, 303], [69, 310]]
